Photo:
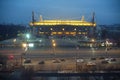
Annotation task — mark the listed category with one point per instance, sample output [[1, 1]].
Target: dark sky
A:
[[19, 11]]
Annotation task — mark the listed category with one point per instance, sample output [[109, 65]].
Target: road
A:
[[63, 49]]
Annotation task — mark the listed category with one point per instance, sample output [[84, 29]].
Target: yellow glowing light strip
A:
[[64, 22]]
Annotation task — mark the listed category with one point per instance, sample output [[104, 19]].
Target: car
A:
[[80, 60], [91, 64], [41, 62], [112, 60], [107, 59], [56, 61], [27, 61]]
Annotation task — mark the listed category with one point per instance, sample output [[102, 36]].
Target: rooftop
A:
[[63, 22]]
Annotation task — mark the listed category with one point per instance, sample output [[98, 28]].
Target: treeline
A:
[[8, 31]]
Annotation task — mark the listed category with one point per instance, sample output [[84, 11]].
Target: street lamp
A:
[[28, 36], [14, 40], [93, 40], [51, 29], [75, 29], [54, 45], [92, 48], [25, 47], [53, 41], [63, 29]]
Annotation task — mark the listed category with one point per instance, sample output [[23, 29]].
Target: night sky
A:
[[20, 11]]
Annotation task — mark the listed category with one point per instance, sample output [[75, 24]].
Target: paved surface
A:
[[64, 49]]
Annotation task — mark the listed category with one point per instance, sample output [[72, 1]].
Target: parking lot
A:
[[71, 64]]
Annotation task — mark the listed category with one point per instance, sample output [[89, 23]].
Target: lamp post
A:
[[54, 45], [25, 47], [27, 36], [92, 48]]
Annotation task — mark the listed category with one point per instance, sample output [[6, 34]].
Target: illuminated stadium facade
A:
[[63, 27]]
